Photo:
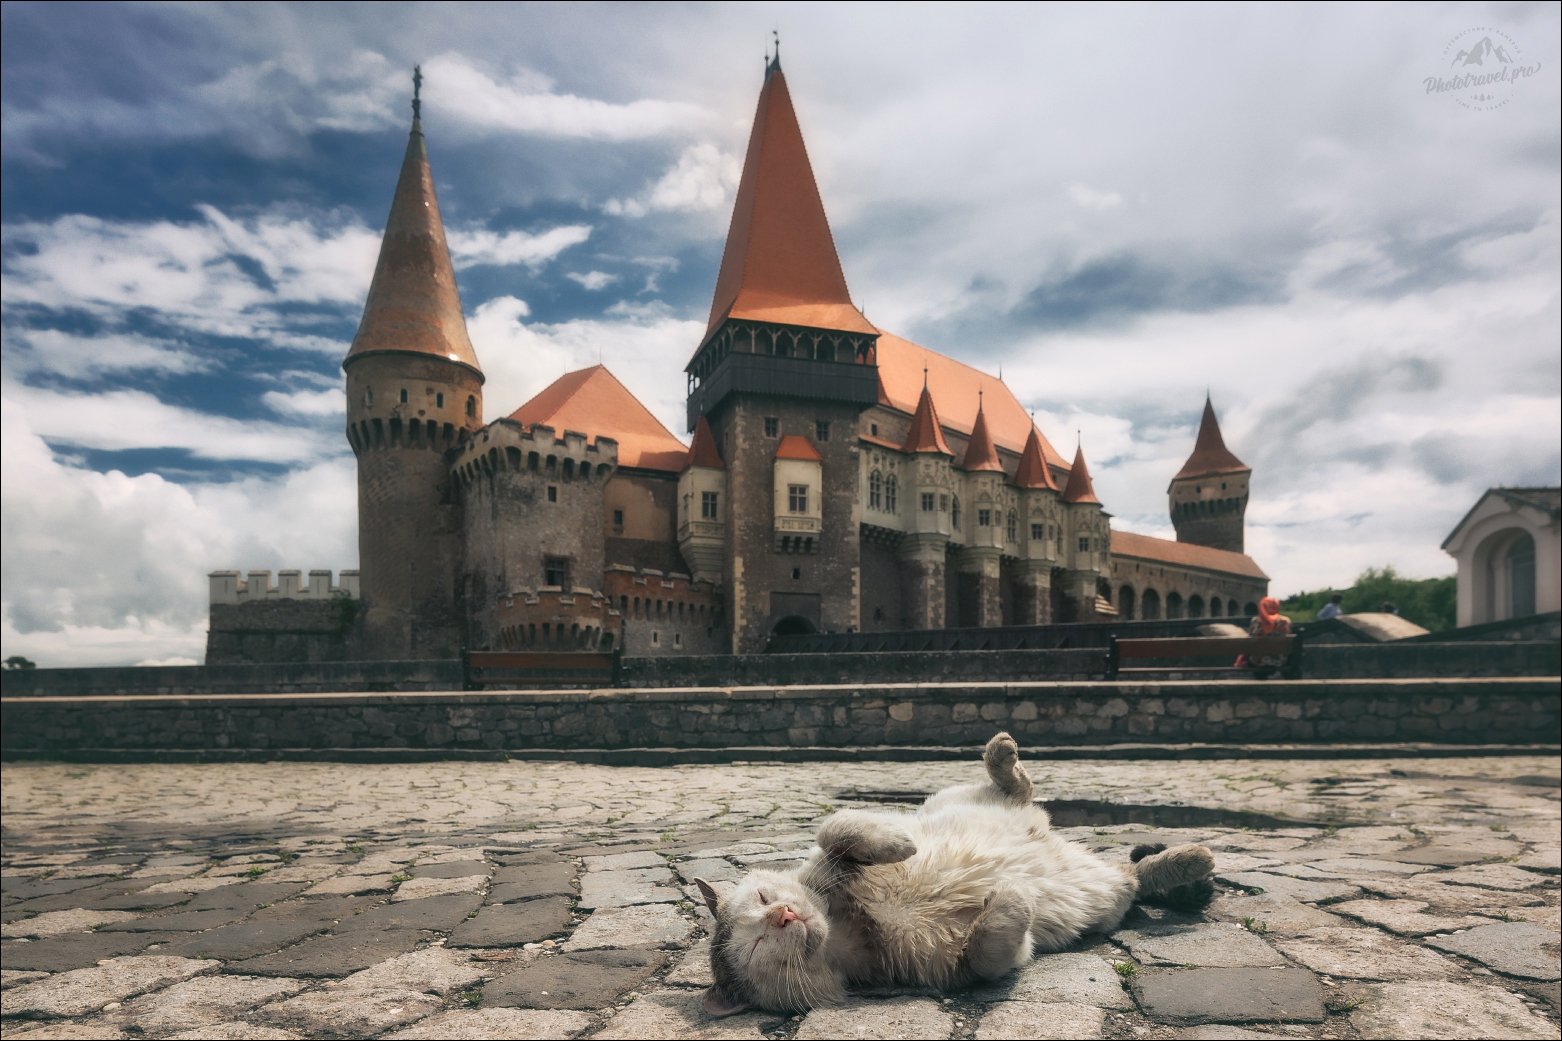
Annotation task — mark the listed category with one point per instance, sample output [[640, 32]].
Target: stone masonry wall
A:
[[1492, 711]]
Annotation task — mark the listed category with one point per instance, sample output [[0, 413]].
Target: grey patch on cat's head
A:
[[731, 993]]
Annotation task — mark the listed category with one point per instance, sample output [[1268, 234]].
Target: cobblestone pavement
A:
[[1384, 898]]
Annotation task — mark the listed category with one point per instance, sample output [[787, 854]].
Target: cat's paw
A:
[[1001, 754], [865, 838]]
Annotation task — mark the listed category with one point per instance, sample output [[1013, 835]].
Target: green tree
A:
[[1428, 602], [16, 661]]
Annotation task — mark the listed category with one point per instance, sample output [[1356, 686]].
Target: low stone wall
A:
[[1480, 711], [268, 678]]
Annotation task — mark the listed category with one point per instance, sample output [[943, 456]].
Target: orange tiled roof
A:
[[980, 455], [780, 263], [796, 446], [1033, 471], [593, 402], [1079, 488], [1184, 554], [703, 450], [1210, 454], [413, 303], [959, 390], [925, 434]]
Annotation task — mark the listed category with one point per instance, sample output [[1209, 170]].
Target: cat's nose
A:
[[783, 916]]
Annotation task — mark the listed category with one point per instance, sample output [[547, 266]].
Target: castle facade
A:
[[838, 477]]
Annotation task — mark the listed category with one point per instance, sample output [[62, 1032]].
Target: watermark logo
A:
[[1481, 69]]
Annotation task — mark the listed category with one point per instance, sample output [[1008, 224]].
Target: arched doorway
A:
[[1216, 608], [1195, 606], [1150, 605], [1125, 603], [793, 625], [1173, 605]]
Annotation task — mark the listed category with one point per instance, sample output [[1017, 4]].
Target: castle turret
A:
[[983, 524], [702, 506], [1086, 542], [414, 393], [1041, 536], [1208, 497], [787, 358], [924, 546]]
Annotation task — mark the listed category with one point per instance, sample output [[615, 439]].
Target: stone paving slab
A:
[[317, 871]]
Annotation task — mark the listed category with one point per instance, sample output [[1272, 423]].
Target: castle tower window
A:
[[368, 397], [439, 401], [1011, 528], [797, 498], [772, 426], [927, 502], [954, 513], [889, 494], [618, 522], [821, 430], [553, 493], [471, 405], [1038, 532], [1084, 543], [403, 395], [709, 502], [984, 518], [555, 572], [875, 490]]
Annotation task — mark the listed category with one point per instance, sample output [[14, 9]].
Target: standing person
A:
[[1268, 622], [1332, 609]]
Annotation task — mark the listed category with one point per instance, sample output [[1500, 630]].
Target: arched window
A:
[[889, 494], [1125, 603], [1195, 606], [439, 400], [368, 397], [1011, 528], [875, 490], [471, 405], [1150, 605], [1216, 608], [954, 512], [1173, 605]]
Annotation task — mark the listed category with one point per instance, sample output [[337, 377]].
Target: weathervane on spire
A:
[[417, 88], [924, 377]]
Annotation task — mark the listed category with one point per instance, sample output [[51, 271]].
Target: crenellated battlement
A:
[[233, 587], [507, 445], [555, 618]]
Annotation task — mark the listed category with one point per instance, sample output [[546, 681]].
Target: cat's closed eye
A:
[[764, 897]]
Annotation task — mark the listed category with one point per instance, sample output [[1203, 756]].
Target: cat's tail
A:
[[1178, 878]]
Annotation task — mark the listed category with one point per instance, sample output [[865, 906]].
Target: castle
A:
[[839, 478]]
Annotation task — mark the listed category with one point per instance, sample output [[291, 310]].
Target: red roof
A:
[[703, 450], [1033, 471], [925, 434], [1210, 454], [1079, 488], [413, 303], [780, 263], [1184, 554], [901, 377], [593, 402], [980, 455], [796, 446]]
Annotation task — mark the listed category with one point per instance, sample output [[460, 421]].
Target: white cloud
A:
[[307, 402], [1088, 198], [702, 180], [105, 568], [81, 357], [592, 280], [470, 247], [525, 103]]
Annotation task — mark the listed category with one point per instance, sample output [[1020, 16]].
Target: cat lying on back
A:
[[971, 886]]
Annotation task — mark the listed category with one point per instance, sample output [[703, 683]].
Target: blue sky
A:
[[1120, 206]]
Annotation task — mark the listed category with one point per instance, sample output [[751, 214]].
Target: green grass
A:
[[1257, 926], [1126, 969], [255, 871]]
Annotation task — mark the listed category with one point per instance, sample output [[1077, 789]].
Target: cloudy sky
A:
[[1331, 218]]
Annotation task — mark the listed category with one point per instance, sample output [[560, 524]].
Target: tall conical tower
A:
[[784, 371], [414, 392], [1208, 497]]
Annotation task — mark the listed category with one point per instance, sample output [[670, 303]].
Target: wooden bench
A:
[[1168, 648], [506, 669]]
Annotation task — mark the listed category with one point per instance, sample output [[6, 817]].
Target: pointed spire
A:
[[925, 434], [703, 450], [1079, 488], [780, 263], [980, 455], [413, 305], [1210, 454], [1033, 471]]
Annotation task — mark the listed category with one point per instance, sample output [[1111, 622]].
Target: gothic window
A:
[[555, 571], [1084, 543], [471, 405], [708, 503], [943, 503], [984, 518], [772, 426], [927, 502], [890, 494], [821, 430], [797, 498], [1038, 532], [954, 513], [1011, 529], [875, 490]]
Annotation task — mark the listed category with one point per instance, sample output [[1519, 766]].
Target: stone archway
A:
[[793, 625], [1150, 605], [1125, 603]]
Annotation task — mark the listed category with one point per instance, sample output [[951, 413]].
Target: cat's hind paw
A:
[[1002, 759], [1179, 877], [865, 838]]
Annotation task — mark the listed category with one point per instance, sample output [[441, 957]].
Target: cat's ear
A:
[[711, 900], [718, 1004]]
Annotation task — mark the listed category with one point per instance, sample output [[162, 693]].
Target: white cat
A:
[[971, 886]]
